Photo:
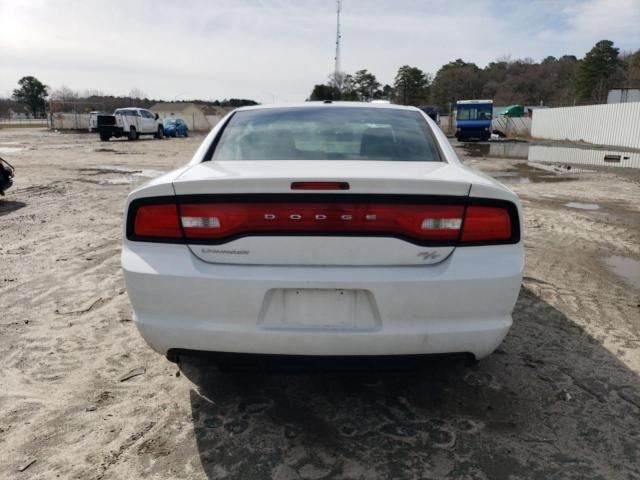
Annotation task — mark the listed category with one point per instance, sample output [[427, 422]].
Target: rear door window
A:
[[128, 113]]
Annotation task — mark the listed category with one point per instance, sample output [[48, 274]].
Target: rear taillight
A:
[[486, 224], [221, 221], [157, 221]]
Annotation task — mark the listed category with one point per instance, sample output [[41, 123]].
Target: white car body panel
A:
[[364, 177], [463, 304], [142, 120], [327, 251], [330, 295]]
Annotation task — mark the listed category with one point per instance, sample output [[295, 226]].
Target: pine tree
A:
[[596, 71]]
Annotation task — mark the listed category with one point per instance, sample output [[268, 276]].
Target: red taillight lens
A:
[[218, 221], [486, 224], [157, 221]]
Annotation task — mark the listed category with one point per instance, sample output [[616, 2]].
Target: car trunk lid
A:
[[322, 212]]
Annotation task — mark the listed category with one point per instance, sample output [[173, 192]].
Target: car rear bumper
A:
[[112, 130], [461, 305], [478, 132]]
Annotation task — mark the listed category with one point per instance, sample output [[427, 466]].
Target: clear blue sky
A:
[[276, 49]]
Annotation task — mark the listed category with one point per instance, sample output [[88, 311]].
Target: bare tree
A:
[[137, 94], [64, 94], [92, 92]]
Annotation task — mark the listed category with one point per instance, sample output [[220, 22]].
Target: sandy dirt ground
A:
[[559, 399]]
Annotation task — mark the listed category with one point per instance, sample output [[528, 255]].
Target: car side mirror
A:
[[157, 116]]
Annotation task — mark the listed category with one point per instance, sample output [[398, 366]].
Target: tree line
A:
[[32, 97], [553, 81]]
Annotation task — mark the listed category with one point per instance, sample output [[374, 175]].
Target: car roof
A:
[[466, 102], [327, 104]]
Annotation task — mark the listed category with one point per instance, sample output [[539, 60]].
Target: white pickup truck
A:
[[131, 123]]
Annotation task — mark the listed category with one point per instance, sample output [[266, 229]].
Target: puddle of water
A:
[[521, 180], [524, 173], [127, 175], [107, 150], [149, 173], [583, 156], [565, 155], [115, 169], [10, 149], [107, 171], [583, 206], [560, 169], [626, 268], [497, 149], [144, 172], [115, 181], [512, 178]]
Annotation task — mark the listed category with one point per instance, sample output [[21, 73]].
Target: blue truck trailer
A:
[[473, 119]]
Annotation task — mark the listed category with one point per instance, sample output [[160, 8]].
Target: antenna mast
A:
[[338, 36]]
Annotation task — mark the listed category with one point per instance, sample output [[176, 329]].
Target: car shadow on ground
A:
[[552, 402], [8, 206]]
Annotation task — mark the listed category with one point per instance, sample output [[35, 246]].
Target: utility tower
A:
[[338, 36]]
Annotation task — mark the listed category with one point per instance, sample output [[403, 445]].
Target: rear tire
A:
[[104, 137], [172, 357], [133, 135], [186, 133], [160, 133]]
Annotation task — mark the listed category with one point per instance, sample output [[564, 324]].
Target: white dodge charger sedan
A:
[[328, 229]]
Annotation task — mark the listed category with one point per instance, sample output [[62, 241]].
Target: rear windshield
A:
[[326, 133]]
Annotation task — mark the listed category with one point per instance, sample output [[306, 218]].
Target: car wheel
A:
[[186, 133], [160, 133], [172, 356], [104, 137], [133, 135]]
